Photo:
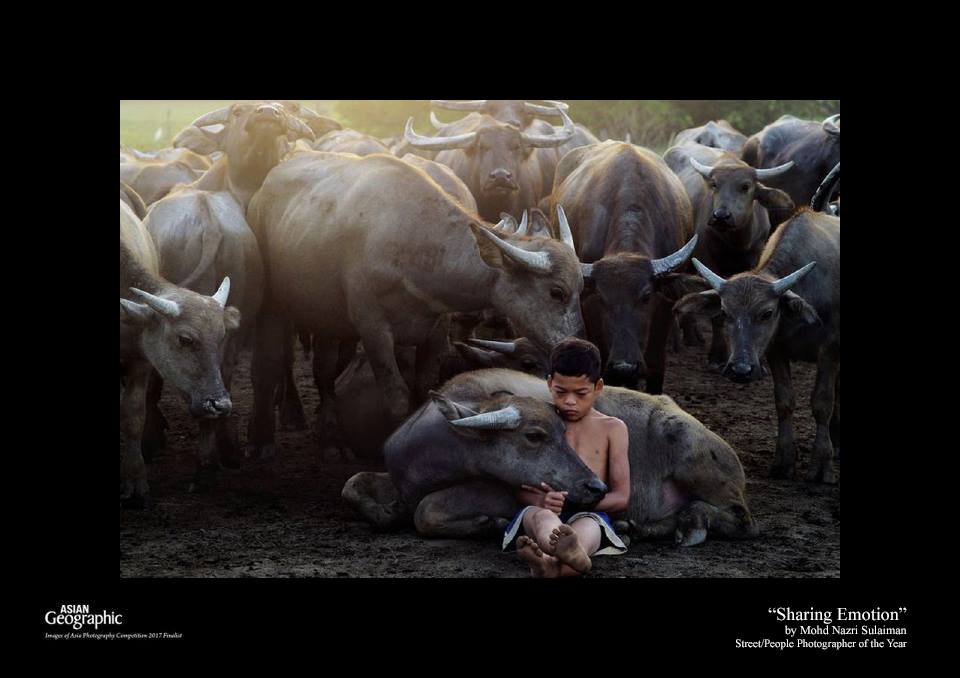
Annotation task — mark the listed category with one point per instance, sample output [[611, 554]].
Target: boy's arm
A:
[[618, 470]]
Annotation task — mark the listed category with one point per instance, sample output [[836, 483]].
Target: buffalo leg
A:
[[785, 458], [135, 492], [375, 497], [266, 372], [821, 401], [291, 408], [154, 438], [719, 350], [835, 419], [692, 336], [378, 345], [227, 435], [655, 356], [430, 354], [473, 509], [326, 368], [305, 340]]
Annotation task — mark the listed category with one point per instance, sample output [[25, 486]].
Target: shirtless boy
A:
[[552, 541]]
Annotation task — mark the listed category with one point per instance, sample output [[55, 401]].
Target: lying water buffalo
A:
[[173, 330], [372, 248], [715, 134], [455, 466], [202, 234], [729, 213], [788, 308], [629, 217], [813, 146]]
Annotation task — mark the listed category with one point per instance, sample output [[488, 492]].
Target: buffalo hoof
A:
[[782, 471], [717, 364], [822, 473], [692, 537], [137, 502]]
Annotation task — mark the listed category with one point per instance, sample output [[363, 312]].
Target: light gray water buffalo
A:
[[631, 223], [177, 332], [729, 213], [497, 161], [152, 179], [133, 201], [455, 466], [447, 180], [715, 134], [788, 308], [349, 141], [814, 147], [202, 234], [372, 248]]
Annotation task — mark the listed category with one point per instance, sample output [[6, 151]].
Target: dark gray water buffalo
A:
[[814, 147], [497, 161], [716, 134], [631, 222], [179, 333], [202, 234], [729, 213], [372, 248], [788, 308], [456, 464]]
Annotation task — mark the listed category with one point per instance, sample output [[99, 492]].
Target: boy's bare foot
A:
[[532, 554], [567, 549]]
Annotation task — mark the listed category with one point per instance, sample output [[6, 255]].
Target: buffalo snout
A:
[[721, 217], [596, 487], [623, 373], [212, 407], [741, 372]]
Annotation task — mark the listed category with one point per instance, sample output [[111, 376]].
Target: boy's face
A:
[[573, 396]]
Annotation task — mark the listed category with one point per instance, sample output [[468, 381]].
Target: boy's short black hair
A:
[[573, 357]]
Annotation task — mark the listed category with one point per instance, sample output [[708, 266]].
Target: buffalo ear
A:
[[793, 304], [231, 318], [699, 303], [773, 198], [199, 140], [539, 224], [450, 409], [673, 286]]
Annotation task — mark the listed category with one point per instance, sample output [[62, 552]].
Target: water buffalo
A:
[[788, 308], [629, 216], [454, 466], [498, 162], [349, 141], [814, 147], [716, 134], [729, 213], [152, 179], [447, 180], [202, 234], [372, 248], [178, 332]]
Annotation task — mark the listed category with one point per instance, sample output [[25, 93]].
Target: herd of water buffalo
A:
[[430, 275]]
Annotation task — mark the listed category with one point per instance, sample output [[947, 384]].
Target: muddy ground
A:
[[291, 522]]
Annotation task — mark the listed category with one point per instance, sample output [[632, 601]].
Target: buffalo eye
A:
[[557, 294], [536, 436], [185, 341], [744, 188], [765, 315], [645, 294], [236, 112], [713, 185]]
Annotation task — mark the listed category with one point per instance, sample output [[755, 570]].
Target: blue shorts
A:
[[610, 543]]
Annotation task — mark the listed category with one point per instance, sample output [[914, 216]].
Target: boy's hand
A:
[[552, 499]]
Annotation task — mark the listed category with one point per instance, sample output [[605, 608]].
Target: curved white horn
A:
[[220, 296], [218, 117], [782, 285], [165, 307], [703, 170], [832, 119], [474, 105], [436, 143], [566, 235], [436, 123], [544, 110], [558, 138], [499, 346], [716, 282], [507, 418], [522, 227], [537, 261], [764, 174], [675, 260]]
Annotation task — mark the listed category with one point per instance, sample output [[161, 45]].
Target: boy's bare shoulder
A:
[[611, 424]]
